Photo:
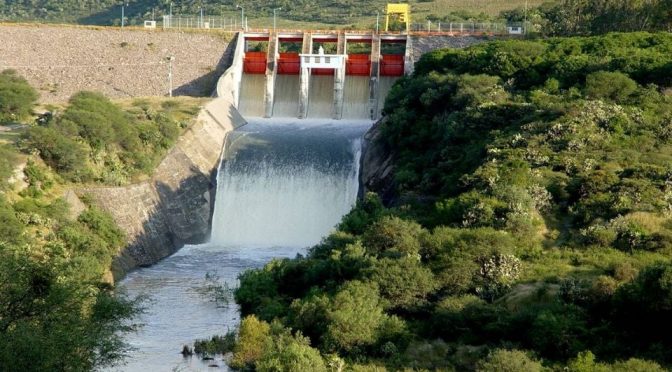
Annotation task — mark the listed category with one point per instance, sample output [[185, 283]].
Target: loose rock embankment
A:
[[60, 61]]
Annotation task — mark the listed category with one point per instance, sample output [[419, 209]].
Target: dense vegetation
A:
[[94, 140], [56, 314], [579, 17], [58, 311], [531, 227]]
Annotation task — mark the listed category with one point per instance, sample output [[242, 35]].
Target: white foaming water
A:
[[286, 184]]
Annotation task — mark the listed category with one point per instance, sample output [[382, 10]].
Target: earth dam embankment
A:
[[62, 60]]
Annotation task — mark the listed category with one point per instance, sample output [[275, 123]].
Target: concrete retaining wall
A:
[[175, 206]]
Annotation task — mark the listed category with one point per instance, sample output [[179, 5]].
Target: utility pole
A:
[[242, 16], [377, 20], [201, 21], [274, 15], [170, 17], [123, 5], [170, 75], [525, 20]]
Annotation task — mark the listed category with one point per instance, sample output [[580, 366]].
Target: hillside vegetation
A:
[[531, 228], [339, 12], [57, 310]]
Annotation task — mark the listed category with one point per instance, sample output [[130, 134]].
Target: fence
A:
[[234, 24], [467, 28], [205, 22]]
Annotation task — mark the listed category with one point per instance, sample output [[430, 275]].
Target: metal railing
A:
[[466, 28], [447, 28], [198, 22]]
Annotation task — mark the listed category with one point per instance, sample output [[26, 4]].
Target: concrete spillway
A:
[[356, 97], [286, 96], [321, 98], [304, 81], [252, 95], [284, 183]]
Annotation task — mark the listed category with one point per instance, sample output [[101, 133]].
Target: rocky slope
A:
[[60, 60]]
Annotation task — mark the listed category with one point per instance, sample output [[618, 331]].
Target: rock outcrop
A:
[[377, 166], [425, 44]]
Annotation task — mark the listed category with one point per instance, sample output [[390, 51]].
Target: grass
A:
[[489, 7], [10, 136], [419, 12]]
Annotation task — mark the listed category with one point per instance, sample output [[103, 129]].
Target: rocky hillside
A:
[[60, 61]]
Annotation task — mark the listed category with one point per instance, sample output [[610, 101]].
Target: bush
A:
[[17, 97], [8, 159], [11, 228], [253, 341], [508, 361], [393, 237], [215, 345], [65, 155], [404, 283], [615, 86], [354, 316]]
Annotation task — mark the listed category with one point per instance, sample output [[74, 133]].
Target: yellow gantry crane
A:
[[402, 12]]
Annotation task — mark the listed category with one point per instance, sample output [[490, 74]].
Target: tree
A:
[[48, 323], [354, 316], [615, 86], [404, 283], [253, 341], [17, 97], [502, 360], [393, 237]]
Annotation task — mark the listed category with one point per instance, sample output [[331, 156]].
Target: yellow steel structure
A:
[[403, 13]]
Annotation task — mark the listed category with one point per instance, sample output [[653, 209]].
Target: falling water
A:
[[282, 186]]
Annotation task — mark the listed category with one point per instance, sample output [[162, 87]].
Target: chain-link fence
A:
[[202, 22], [468, 28], [236, 24]]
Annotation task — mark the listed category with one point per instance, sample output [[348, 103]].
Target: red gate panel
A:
[[254, 63], [289, 64], [358, 65], [392, 65]]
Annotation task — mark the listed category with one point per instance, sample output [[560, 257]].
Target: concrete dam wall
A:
[[290, 75]]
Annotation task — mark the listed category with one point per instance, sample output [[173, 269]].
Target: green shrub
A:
[[17, 97], [253, 341], [404, 283], [354, 316], [615, 86], [8, 159], [508, 361], [393, 237]]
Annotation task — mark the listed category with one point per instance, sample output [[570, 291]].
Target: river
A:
[[283, 185]]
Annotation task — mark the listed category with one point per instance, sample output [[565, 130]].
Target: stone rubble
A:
[[60, 61]]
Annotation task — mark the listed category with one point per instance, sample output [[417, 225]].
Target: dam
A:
[[341, 75], [286, 178]]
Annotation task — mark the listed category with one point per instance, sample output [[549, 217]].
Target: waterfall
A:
[[284, 184]]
